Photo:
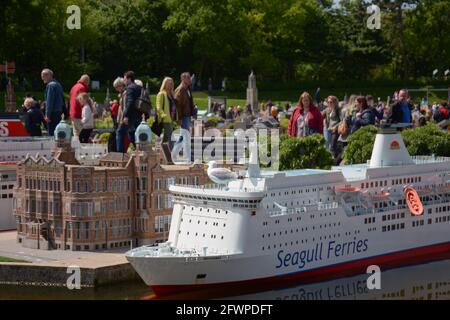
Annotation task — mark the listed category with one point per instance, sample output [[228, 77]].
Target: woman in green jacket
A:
[[166, 109]]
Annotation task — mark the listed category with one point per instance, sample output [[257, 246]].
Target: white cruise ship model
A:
[[304, 225]]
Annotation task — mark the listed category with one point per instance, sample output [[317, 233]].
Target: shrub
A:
[[104, 137], [213, 121], [360, 145], [303, 153], [427, 140], [421, 141]]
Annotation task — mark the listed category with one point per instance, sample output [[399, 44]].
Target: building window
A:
[[196, 181], [144, 201], [157, 184], [160, 201], [169, 201], [171, 181], [144, 184]]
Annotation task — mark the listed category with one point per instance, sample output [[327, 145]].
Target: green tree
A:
[[212, 30], [395, 12], [129, 36], [305, 153], [431, 17], [34, 35], [354, 46]]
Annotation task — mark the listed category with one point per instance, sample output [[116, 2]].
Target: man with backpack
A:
[[131, 114]]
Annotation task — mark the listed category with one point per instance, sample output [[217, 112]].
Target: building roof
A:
[[66, 157], [116, 156], [175, 167]]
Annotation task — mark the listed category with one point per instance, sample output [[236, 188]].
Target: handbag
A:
[[157, 126], [343, 128]]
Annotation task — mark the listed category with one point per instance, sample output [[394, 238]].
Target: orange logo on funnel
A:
[[395, 145]]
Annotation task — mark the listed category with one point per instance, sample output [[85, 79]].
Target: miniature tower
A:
[[143, 136], [62, 149], [10, 98], [252, 93]]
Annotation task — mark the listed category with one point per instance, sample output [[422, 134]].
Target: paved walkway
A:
[[11, 249]]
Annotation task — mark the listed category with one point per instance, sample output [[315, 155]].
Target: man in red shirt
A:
[[75, 107]]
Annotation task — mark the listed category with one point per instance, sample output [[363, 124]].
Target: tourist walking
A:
[[87, 117], [82, 86], [119, 86], [306, 118], [363, 116], [166, 109], [185, 109], [400, 111], [114, 112], [33, 117], [131, 116], [333, 118], [54, 100]]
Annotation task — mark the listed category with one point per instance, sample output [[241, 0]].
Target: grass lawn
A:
[[4, 259], [239, 98]]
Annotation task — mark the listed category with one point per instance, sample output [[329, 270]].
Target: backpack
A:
[[112, 147], [157, 126], [143, 104]]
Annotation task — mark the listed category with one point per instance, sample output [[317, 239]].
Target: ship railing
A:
[[218, 187], [429, 159], [371, 210], [327, 206], [440, 200], [287, 212]]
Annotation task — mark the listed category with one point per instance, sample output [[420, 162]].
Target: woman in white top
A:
[[87, 117]]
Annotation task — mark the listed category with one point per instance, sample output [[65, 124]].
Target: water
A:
[[422, 282]]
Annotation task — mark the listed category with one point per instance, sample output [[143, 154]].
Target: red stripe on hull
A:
[[387, 261], [7, 230]]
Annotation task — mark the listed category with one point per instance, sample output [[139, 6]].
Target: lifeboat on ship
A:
[[348, 192], [413, 201]]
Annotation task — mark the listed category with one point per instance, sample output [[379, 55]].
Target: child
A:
[[87, 117], [33, 117]]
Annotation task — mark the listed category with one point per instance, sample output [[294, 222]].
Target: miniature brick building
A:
[[124, 201]]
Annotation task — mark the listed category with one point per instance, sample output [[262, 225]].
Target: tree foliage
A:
[[280, 40]]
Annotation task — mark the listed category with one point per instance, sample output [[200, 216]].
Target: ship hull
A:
[[386, 261]]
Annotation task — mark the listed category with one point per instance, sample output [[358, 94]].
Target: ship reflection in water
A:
[[422, 282]]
